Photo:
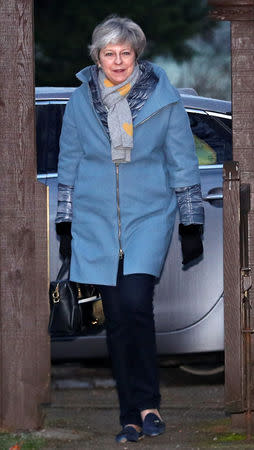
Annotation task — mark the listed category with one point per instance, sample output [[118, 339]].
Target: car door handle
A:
[[214, 194], [211, 197]]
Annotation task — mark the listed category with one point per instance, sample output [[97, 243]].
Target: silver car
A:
[[188, 302]]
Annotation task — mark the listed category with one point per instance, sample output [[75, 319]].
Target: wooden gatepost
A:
[[239, 217], [24, 343]]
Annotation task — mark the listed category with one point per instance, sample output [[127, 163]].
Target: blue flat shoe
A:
[[153, 425], [129, 433]]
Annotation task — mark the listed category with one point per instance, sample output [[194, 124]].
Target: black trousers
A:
[[128, 309]]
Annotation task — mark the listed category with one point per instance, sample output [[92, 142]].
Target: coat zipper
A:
[[121, 253]]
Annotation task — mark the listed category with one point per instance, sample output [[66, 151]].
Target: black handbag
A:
[[74, 308]]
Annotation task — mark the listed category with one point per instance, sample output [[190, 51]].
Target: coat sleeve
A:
[[70, 148], [181, 158], [190, 204], [64, 203]]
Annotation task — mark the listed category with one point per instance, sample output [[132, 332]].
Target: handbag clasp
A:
[[55, 294]]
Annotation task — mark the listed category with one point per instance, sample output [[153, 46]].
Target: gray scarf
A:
[[119, 115]]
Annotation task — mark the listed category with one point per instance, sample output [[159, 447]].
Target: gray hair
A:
[[114, 30]]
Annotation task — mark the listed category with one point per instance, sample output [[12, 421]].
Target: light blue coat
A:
[[163, 158]]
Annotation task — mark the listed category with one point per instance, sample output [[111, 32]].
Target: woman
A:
[[127, 158]]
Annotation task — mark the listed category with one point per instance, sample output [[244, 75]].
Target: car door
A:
[[189, 300]]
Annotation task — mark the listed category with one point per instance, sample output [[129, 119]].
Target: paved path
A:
[[84, 413]]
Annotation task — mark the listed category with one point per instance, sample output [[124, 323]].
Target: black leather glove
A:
[[63, 229], [192, 245]]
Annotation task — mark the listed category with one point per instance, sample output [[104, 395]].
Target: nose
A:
[[118, 58]]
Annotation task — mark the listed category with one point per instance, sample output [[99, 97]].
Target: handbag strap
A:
[[64, 271]]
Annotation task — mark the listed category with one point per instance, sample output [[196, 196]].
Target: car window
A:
[[48, 128], [212, 136]]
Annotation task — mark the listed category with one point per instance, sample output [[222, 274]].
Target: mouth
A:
[[118, 70]]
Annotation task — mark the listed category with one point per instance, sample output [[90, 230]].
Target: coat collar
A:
[[164, 94], [84, 75]]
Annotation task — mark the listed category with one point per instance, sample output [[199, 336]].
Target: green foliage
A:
[[63, 31], [25, 441], [231, 437]]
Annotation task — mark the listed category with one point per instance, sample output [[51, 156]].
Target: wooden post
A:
[[241, 15], [232, 288], [24, 342]]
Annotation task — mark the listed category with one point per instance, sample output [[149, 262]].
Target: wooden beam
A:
[[24, 347], [239, 399]]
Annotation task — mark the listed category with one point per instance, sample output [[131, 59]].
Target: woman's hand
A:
[[63, 229], [192, 245]]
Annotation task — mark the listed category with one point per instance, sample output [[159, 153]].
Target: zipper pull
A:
[[121, 253]]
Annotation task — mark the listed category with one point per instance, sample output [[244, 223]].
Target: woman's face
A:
[[117, 61]]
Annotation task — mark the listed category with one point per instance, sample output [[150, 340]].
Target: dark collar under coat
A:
[[136, 97]]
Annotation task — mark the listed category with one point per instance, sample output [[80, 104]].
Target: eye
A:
[[108, 54], [126, 53]]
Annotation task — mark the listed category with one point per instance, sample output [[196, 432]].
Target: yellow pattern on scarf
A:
[[128, 128], [124, 89], [108, 83]]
